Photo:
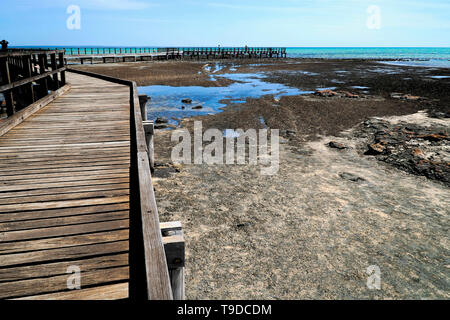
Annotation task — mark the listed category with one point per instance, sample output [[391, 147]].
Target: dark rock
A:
[[283, 140], [244, 225], [162, 120], [351, 177], [411, 97], [183, 107], [325, 93], [396, 95], [410, 147], [186, 100], [418, 153], [375, 149], [291, 132], [350, 95], [402, 96], [336, 145], [438, 114], [433, 137], [197, 107], [161, 125]]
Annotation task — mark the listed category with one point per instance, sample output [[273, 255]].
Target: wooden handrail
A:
[[157, 278], [26, 52], [18, 70], [22, 82]]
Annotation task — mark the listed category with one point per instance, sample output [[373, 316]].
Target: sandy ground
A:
[[312, 230]]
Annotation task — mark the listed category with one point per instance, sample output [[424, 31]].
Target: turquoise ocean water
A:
[[436, 57]]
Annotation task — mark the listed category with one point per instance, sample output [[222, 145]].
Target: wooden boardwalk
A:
[[64, 196]]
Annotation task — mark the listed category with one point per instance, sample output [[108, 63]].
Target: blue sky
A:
[[292, 23]]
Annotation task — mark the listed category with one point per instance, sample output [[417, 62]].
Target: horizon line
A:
[[174, 46]]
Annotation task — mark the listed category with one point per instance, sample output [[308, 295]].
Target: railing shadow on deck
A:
[[149, 275]]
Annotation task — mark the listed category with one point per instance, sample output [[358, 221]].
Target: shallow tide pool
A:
[[166, 100]]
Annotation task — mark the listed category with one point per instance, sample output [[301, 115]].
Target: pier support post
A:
[[149, 128], [174, 246], [143, 98]]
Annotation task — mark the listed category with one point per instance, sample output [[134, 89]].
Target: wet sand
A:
[[312, 230]]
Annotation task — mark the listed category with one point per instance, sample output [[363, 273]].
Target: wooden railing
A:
[[149, 274], [29, 75], [245, 52], [172, 50], [99, 51]]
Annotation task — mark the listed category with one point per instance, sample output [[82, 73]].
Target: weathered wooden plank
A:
[[75, 252], [109, 292], [64, 221], [61, 204], [63, 230], [64, 242], [30, 183], [42, 175], [59, 283], [19, 117], [52, 169], [36, 186], [65, 164], [60, 268], [13, 199]]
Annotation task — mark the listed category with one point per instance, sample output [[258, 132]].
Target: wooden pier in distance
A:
[[76, 194], [111, 55]]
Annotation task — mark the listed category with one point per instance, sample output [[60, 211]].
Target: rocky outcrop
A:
[[336, 145], [403, 96], [161, 120], [338, 94], [410, 147], [325, 93]]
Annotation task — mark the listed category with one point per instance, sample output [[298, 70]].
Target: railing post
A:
[[61, 65], [6, 77], [54, 67], [174, 247], [149, 128], [27, 73], [43, 82], [143, 98]]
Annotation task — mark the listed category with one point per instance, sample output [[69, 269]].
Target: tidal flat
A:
[[363, 178]]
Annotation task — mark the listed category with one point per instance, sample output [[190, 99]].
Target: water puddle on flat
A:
[[166, 101], [360, 87], [298, 72], [437, 63], [325, 88], [439, 77], [214, 68]]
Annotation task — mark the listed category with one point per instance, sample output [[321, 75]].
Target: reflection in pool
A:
[[166, 100]]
